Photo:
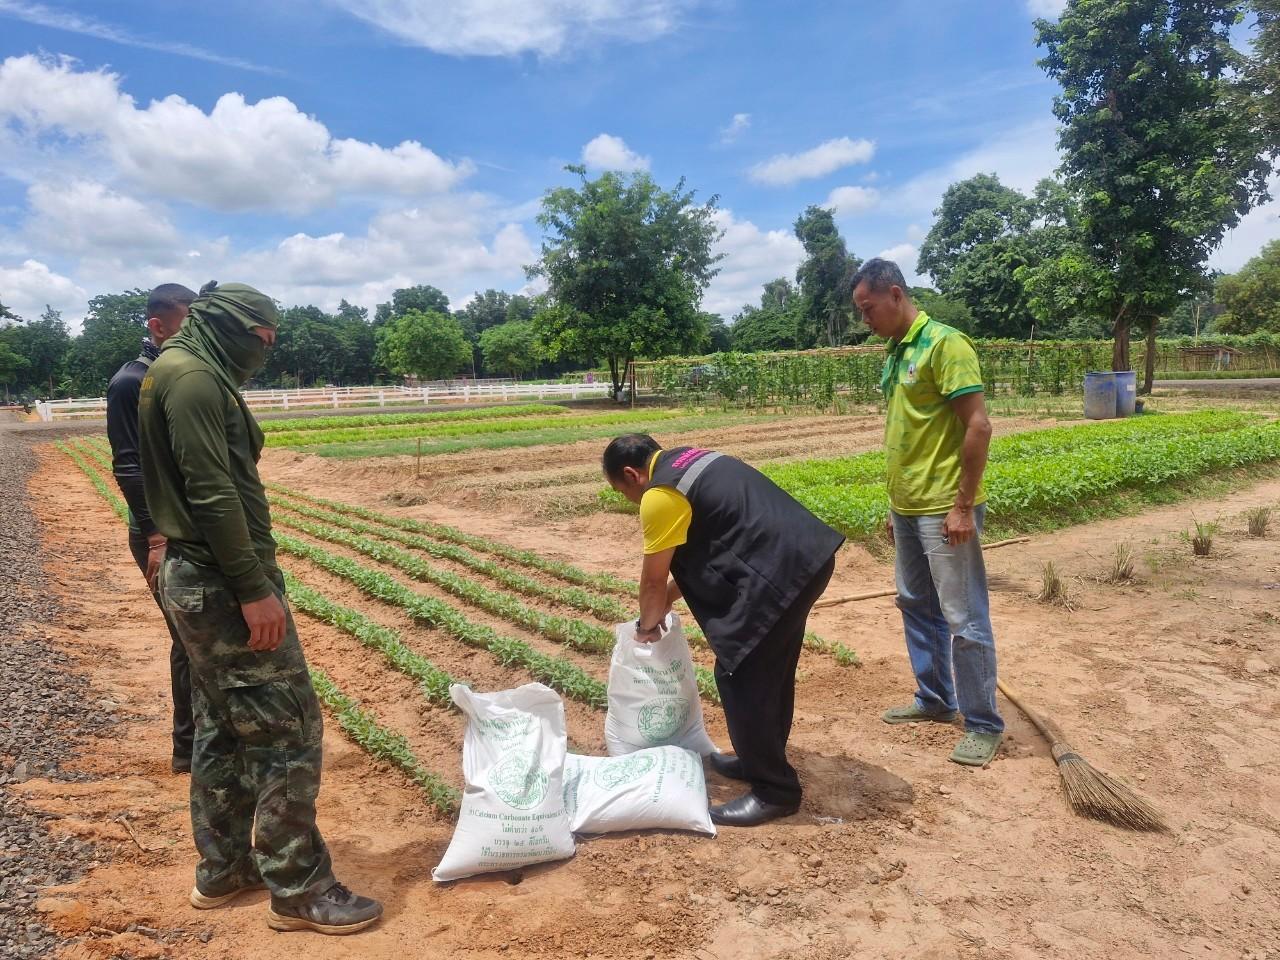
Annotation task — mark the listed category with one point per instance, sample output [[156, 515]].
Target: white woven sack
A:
[[658, 788], [513, 760], [653, 694]]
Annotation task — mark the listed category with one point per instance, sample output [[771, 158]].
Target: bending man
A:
[[255, 771], [750, 562]]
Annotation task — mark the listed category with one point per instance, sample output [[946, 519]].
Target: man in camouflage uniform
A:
[[255, 770]]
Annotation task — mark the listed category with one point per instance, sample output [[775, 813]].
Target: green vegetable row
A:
[[399, 419], [603, 607], [556, 672], [377, 741], [470, 428], [527, 558], [565, 630]]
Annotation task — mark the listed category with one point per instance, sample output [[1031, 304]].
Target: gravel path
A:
[[44, 707]]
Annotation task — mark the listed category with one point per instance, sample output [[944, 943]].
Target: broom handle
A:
[[854, 597], [1048, 729]]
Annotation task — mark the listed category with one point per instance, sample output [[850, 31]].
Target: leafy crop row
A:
[[576, 597], [117, 504], [556, 672], [433, 681], [527, 558], [387, 745], [399, 419], [566, 630], [482, 427], [1029, 492]]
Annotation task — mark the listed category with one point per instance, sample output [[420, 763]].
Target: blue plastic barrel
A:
[[1100, 396], [1126, 393]]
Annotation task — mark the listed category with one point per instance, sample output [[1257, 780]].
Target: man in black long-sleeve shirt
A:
[[166, 309]]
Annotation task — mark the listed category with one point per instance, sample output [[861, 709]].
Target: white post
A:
[[382, 398], [286, 401]]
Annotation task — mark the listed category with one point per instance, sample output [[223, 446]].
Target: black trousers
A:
[[184, 728], [759, 699]]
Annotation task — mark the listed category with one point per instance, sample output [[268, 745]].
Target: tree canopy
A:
[[1251, 298], [510, 348], [626, 263], [427, 345], [826, 312]]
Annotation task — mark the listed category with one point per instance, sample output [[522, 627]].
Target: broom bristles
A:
[[1095, 794]]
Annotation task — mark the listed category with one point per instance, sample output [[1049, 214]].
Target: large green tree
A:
[[423, 298], [1263, 69], [824, 276], [425, 345], [1251, 298], [43, 344], [779, 323], [626, 263], [1156, 149], [113, 331], [510, 348]]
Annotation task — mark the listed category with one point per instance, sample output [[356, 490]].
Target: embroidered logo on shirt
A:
[[911, 373]]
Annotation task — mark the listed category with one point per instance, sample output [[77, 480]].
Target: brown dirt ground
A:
[[1170, 682]]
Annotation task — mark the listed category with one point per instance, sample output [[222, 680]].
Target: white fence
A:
[[454, 391]]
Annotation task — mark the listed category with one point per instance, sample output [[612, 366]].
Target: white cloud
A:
[[509, 27], [87, 219], [739, 125], [607, 152], [1246, 241], [1051, 9], [788, 168], [1020, 157], [43, 16], [847, 201], [753, 257], [239, 156], [905, 256], [28, 287]]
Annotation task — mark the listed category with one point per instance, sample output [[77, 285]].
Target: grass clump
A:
[[1053, 589], [1202, 538], [1258, 519], [1122, 565]]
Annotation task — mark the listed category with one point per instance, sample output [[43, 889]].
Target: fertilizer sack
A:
[[653, 694], [513, 761], [662, 788]]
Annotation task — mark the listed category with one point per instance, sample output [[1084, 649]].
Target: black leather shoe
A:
[[180, 764], [335, 911], [727, 765], [749, 810]]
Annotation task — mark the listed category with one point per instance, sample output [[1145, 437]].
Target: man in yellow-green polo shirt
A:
[[936, 440]]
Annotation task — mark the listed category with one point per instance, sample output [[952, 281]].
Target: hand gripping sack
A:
[[653, 694], [662, 788], [513, 761]]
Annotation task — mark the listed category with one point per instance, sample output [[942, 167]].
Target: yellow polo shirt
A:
[[665, 514], [925, 370]]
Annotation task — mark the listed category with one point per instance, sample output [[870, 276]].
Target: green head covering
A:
[[219, 330]]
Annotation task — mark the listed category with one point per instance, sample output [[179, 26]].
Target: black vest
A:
[[751, 549]]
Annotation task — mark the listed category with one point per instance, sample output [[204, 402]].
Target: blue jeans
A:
[[942, 593]]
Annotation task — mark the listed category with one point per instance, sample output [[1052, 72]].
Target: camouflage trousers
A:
[[255, 767]]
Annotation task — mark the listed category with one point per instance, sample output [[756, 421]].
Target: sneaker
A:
[[913, 714], [335, 911], [208, 901]]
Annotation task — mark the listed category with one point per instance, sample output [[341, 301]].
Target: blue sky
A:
[[343, 148]]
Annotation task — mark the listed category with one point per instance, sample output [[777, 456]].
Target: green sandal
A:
[[977, 749], [913, 714]]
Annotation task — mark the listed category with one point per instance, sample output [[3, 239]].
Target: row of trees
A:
[[414, 333], [1168, 134]]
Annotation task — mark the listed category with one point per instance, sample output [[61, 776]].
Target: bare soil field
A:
[[1169, 682], [548, 482]]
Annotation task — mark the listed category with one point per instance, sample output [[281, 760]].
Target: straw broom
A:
[[1090, 792]]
